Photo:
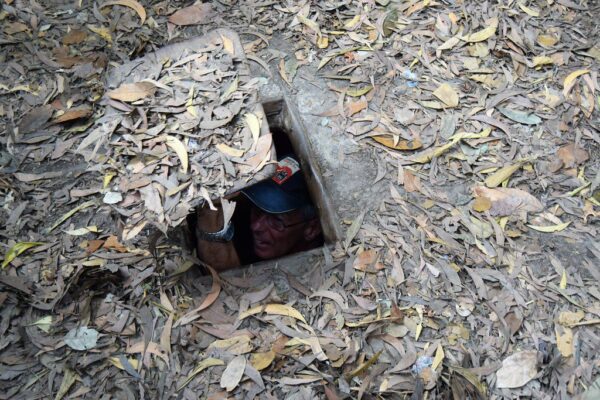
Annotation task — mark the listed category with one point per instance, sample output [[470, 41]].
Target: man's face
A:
[[275, 235]]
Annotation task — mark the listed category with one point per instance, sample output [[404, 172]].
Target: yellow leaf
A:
[[82, 231], [230, 89], [481, 204], [240, 344], [179, 148], [69, 379], [388, 141], [550, 228], [563, 280], [103, 32], [428, 155], [107, 178], [202, 365], [309, 23], [132, 91], [447, 94], [228, 45], [276, 309], [322, 42], [483, 34], [363, 367], [68, 214], [542, 60], [137, 7], [418, 330], [438, 358], [253, 123], [351, 24], [44, 323], [359, 91], [567, 318], [436, 105], [117, 363], [230, 151], [17, 249], [529, 11], [501, 175], [564, 340], [547, 40], [261, 361], [173, 191], [190, 102], [570, 80]]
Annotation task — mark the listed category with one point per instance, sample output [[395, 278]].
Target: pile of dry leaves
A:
[[474, 276]]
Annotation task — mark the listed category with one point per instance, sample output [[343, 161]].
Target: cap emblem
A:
[[286, 168]]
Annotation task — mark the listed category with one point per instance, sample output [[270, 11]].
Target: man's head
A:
[[283, 219]]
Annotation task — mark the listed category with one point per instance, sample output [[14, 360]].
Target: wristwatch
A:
[[224, 235]]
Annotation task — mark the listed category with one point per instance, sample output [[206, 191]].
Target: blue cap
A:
[[285, 191]]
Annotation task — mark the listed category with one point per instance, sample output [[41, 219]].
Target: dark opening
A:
[[308, 228]]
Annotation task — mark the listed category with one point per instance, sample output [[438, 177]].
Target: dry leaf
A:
[[567, 318], [564, 340], [551, 228], [233, 373], [529, 11], [230, 151], [202, 365], [73, 114], [16, 250], [439, 357], [447, 94], [547, 40], [179, 148], [134, 5], [483, 34], [571, 79], [228, 45], [481, 204], [501, 175], [355, 107], [412, 182], [367, 261], [507, 201], [207, 302], [132, 91], [193, 15], [253, 123], [262, 361], [101, 31], [388, 141], [572, 155], [277, 309], [74, 36], [517, 369]]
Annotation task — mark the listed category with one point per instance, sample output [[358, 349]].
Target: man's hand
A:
[[219, 255]]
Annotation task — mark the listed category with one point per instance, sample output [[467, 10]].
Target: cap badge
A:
[[286, 168]]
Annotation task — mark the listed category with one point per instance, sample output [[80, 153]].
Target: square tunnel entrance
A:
[[289, 137]]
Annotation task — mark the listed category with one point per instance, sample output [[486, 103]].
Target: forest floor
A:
[[461, 140]]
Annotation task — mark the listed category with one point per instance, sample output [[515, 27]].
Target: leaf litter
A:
[[474, 277]]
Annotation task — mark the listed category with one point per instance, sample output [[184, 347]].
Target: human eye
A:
[[279, 223]]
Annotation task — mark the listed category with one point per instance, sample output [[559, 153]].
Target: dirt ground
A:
[[458, 142]]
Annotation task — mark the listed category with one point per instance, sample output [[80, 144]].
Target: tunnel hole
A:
[[267, 223]]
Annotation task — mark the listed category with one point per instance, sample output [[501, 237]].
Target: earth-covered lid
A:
[[181, 126]]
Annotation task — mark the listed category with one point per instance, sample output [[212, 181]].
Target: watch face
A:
[[286, 168]]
